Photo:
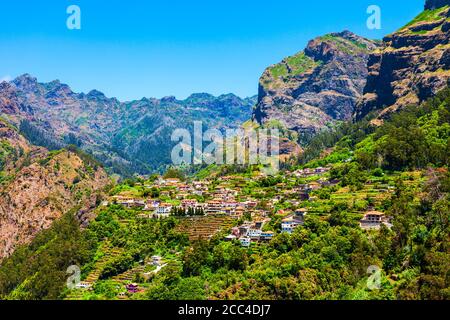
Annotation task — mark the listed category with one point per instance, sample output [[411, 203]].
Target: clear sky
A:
[[154, 48]]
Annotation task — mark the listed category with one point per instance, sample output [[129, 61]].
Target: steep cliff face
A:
[[127, 137], [412, 65], [317, 86], [38, 187], [435, 4]]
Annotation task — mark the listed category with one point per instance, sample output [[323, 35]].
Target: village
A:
[[229, 196], [246, 209]]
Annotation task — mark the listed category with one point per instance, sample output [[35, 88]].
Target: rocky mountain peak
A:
[[25, 82], [435, 4], [51, 115], [96, 95], [317, 86], [336, 45], [200, 96], [169, 99], [56, 89]]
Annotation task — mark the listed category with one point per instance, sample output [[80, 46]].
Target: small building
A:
[[266, 236], [163, 210], [151, 205], [239, 211], [230, 237], [245, 241], [132, 288], [374, 220], [300, 214], [156, 260], [243, 230], [187, 203], [83, 285], [254, 233], [183, 188], [172, 181], [258, 224], [320, 170], [314, 185], [251, 204], [289, 224]]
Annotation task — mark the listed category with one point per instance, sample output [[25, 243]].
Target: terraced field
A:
[[109, 253], [204, 227], [377, 190], [128, 276], [75, 295]]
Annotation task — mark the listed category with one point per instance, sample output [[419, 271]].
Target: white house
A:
[[230, 237], [156, 260], [374, 220], [83, 285], [163, 210], [245, 241], [254, 233], [289, 224]]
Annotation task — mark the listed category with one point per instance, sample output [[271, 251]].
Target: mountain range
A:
[[127, 137], [337, 77]]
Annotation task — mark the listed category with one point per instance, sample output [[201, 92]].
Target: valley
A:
[[357, 209]]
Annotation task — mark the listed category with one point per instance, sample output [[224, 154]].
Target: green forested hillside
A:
[[399, 168]]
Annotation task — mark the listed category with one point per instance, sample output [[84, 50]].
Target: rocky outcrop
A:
[[412, 65], [316, 87], [38, 187], [435, 4]]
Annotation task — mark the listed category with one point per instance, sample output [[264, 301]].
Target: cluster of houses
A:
[[223, 200], [250, 232], [153, 208], [198, 188], [308, 172], [228, 200]]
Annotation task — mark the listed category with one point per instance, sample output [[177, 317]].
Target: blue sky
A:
[[155, 48]]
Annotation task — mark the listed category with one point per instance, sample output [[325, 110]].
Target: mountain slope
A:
[[38, 187], [326, 257], [412, 65], [315, 87], [127, 137]]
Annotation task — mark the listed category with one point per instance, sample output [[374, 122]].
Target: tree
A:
[[174, 173]]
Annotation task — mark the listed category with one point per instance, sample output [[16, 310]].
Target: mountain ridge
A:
[[412, 65], [37, 187], [52, 115], [317, 86]]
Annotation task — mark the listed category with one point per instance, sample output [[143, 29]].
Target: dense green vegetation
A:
[[345, 45], [413, 138], [292, 66], [7, 154], [38, 271], [427, 15], [329, 257], [38, 136]]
